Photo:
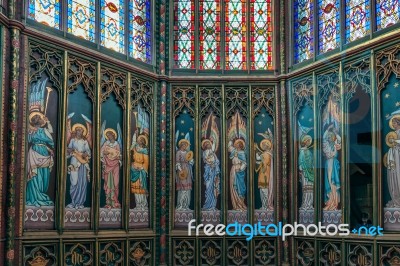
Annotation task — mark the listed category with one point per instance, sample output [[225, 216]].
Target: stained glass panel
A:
[[303, 30], [81, 18], [329, 25], [261, 34], [184, 34], [387, 13], [46, 12], [357, 19], [140, 30], [209, 29], [112, 25], [235, 32]]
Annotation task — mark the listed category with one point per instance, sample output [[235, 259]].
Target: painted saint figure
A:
[[140, 170], [236, 147], [212, 169], [306, 169], [184, 173], [79, 153], [238, 174], [40, 160], [392, 161], [331, 145], [265, 170], [111, 159]]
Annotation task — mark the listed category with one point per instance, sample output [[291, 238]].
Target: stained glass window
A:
[[184, 34], [81, 18], [387, 13], [329, 25], [46, 12], [261, 34], [357, 19], [112, 25], [303, 30], [209, 31], [140, 30], [235, 31]]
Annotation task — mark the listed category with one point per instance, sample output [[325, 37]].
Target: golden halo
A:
[[203, 143], [31, 115], [267, 143], [391, 121], [82, 126], [144, 137], [110, 130], [306, 139], [189, 156], [182, 141], [391, 135], [239, 141]]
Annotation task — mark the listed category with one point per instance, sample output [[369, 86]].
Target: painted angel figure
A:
[[211, 164], [237, 155], [79, 143], [184, 172], [140, 161], [306, 168], [392, 160], [265, 170], [331, 144], [40, 158], [111, 158]]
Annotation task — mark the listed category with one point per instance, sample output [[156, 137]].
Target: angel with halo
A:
[[111, 158], [306, 167], [392, 160], [79, 143], [140, 160], [265, 170], [237, 154], [209, 145], [184, 172]]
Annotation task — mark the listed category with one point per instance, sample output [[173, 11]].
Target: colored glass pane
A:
[[387, 13], [235, 32], [209, 29], [303, 30], [184, 34], [81, 18], [357, 19], [112, 25], [140, 30], [329, 26], [46, 12], [261, 34]]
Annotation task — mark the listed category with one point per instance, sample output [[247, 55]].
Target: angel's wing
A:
[[232, 134], [103, 138], [69, 128], [204, 127], [187, 137], [242, 129], [119, 132], [143, 120], [176, 139], [89, 130], [392, 114], [214, 134]]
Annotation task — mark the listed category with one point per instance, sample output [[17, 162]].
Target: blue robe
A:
[[335, 177], [38, 183], [210, 174], [239, 182]]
